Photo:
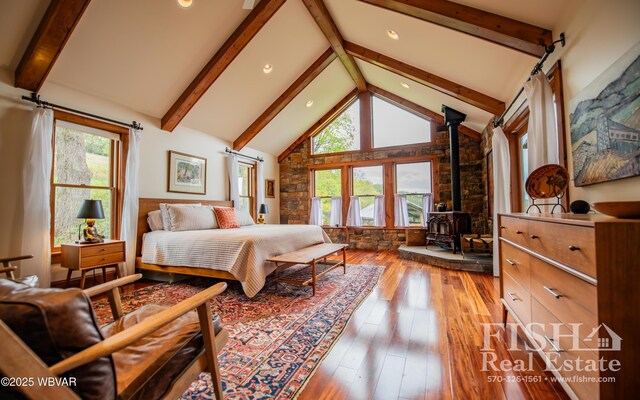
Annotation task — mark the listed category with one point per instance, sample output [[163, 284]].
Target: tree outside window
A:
[[342, 134]]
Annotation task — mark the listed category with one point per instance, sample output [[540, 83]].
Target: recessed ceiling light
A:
[[393, 34], [185, 3], [267, 68], [404, 85], [309, 103]]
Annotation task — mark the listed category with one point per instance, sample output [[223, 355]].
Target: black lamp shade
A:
[[264, 209], [91, 209]]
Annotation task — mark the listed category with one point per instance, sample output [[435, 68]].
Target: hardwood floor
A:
[[418, 336]]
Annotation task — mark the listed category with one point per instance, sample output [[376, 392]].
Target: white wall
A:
[[15, 123]]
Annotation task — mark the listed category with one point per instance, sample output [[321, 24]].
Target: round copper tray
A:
[[548, 181]]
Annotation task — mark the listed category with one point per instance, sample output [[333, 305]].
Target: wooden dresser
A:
[[563, 269]]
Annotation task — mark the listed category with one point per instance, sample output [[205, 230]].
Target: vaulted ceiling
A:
[[202, 67]]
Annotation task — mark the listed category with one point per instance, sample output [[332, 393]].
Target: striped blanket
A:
[[241, 252]]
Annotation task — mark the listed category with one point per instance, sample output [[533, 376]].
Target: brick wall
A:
[[294, 186]]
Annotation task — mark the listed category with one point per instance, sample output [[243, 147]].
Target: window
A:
[[342, 134], [367, 182], [394, 126], [524, 169], [327, 183], [85, 166], [414, 180], [246, 185]]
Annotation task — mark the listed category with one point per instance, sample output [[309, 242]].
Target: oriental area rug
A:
[[276, 339]]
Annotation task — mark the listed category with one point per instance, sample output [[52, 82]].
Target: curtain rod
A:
[[537, 68], [41, 103], [228, 150]]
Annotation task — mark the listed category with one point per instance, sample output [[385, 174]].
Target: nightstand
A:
[[85, 257]]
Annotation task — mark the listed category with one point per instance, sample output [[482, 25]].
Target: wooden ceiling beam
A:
[[420, 110], [511, 33], [247, 30], [322, 123], [285, 98], [455, 90], [47, 43], [321, 15]]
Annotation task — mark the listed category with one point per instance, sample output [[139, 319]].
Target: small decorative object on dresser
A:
[[85, 257], [270, 188], [571, 281], [547, 182], [90, 211], [579, 207], [620, 209], [187, 173]]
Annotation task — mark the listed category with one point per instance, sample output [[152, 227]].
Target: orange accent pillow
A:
[[226, 217]]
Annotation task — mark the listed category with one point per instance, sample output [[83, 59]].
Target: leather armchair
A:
[[153, 352]]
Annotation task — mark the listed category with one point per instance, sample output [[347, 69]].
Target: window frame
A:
[[389, 180], [352, 188], [432, 125], [395, 177], [312, 188], [252, 187], [117, 164]]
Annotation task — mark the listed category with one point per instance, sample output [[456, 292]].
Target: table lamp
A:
[[264, 209], [90, 211]]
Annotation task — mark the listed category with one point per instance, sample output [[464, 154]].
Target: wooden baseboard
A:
[[89, 281]]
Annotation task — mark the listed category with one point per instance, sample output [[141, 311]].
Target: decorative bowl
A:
[[548, 181], [619, 209]]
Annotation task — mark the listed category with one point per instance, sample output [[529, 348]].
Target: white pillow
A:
[[154, 219], [191, 218], [244, 218], [166, 223]]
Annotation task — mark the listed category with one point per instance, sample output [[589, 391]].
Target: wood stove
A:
[[446, 228]]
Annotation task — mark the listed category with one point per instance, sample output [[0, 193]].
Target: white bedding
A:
[[241, 252]]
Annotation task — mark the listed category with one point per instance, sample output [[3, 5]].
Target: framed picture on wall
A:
[[270, 188], [187, 173]]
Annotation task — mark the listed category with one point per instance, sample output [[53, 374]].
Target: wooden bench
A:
[[309, 256]]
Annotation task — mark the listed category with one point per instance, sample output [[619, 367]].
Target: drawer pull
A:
[[503, 227], [553, 293], [534, 236], [513, 263], [102, 250], [574, 248], [553, 344], [513, 297], [519, 232]]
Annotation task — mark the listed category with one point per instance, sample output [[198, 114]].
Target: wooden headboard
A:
[[147, 205]]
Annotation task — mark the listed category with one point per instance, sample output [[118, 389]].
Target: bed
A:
[[233, 254]]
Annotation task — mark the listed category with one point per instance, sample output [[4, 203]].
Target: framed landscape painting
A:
[[605, 124], [187, 173]]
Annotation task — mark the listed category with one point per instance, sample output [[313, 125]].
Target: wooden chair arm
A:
[[123, 339], [105, 287], [7, 269], [7, 260]]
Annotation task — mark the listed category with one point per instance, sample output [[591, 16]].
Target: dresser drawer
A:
[[91, 251], [577, 302], [99, 260], [571, 245], [514, 229], [515, 262], [547, 330], [517, 298]]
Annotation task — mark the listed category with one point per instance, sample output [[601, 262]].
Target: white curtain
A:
[[36, 225], [542, 137], [427, 207], [336, 211], [501, 190], [378, 211], [260, 183], [234, 187], [130, 203], [315, 216], [353, 216], [401, 210]]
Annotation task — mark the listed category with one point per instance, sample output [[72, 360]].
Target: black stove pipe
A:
[[452, 120]]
